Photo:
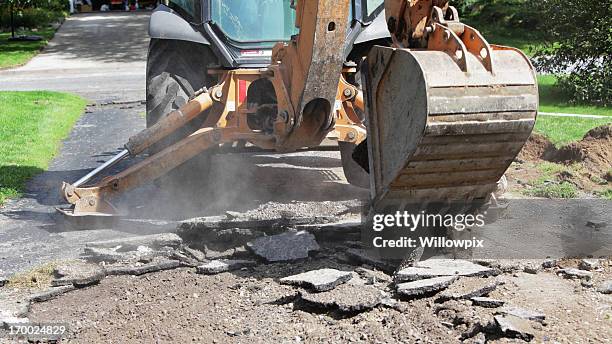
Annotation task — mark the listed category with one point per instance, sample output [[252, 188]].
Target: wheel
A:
[[355, 157], [354, 173], [175, 71]]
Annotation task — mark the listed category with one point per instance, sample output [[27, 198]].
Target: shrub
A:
[[506, 13], [32, 13], [578, 48], [30, 18]]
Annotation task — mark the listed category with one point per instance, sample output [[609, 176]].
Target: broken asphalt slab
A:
[[344, 231], [230, 253], [143, 269], [13, 307], [206, 225], [605, 287], [467, 288], [425, 287], [79, 274], [114, 255], [284, 247], [51, 293], [223, 265], [523, 314], [373, 276], [361, 256], [132, 243], [319, 280], [442, 267], [515, 327], [487, 302], [588, 264], [345, 298], [195, 254], [572, 273]]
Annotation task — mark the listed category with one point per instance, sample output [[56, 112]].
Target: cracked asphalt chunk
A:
[[425, 286], [319, 280]]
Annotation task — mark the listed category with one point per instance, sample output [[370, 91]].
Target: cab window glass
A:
[[254, 21], [372, 6]]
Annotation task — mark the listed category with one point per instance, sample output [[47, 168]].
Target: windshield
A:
[[373, 5], [254, 20]]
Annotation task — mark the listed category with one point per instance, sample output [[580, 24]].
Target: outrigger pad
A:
[[438, 134], [86, 221]]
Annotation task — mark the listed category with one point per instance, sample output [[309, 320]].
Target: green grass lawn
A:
[[32, 125], [563, 130], [551, 100], [13, 54]]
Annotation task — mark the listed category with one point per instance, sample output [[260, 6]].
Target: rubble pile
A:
[[457, 292]]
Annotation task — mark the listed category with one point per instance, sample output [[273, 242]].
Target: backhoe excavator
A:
[[426, 112]]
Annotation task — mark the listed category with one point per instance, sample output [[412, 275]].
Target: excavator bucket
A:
[[443, 131]]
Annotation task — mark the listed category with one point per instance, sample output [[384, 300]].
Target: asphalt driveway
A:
[[101, 56]]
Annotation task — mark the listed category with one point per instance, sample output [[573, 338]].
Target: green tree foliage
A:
[[574, 40], [32, 13], [52, 5], [578, 34], [507, 13]]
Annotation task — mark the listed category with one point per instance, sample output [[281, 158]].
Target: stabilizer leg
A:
[[94, 200]]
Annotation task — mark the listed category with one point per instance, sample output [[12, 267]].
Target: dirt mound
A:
[[536, 148], [594, 150]]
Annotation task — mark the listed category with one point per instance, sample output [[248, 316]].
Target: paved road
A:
[[101, 56]]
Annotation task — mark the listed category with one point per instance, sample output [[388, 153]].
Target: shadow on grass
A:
[[35, 183], [550, 94], [13, 179]]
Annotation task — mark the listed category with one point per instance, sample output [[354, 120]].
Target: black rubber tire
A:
[[353, 172], [175, 71]]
